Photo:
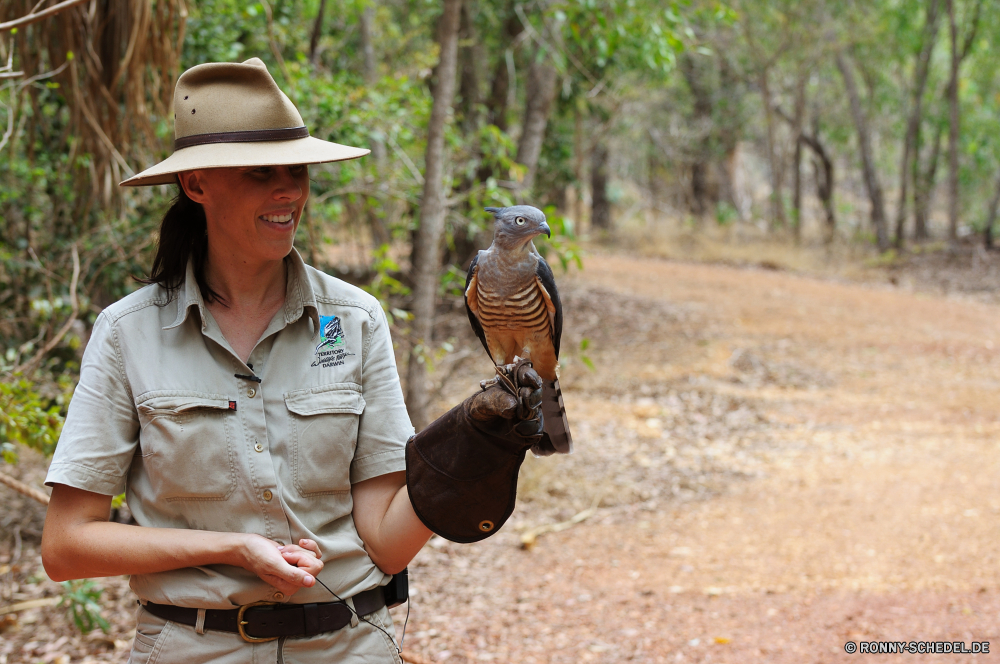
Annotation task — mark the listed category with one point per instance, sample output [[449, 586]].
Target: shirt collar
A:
[[188, 295], [299, 296]]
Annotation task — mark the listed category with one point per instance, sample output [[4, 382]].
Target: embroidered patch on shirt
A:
[[330, 350]]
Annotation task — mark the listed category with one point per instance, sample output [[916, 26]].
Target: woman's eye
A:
[[519, 221]]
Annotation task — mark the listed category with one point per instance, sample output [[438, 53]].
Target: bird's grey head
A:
[[518, 225]]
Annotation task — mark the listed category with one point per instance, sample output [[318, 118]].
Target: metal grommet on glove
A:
[[486, 526]]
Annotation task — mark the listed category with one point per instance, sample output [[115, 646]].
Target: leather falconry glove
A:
[[461, 470]]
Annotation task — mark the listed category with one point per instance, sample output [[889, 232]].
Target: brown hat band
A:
[[253, 136]]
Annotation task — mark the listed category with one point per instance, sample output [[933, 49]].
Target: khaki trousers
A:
[[158, 641]]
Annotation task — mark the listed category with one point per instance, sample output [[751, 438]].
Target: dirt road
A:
[[805, 463], [770, 466]]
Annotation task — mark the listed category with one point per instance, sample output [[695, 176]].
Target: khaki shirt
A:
[[161, 414]]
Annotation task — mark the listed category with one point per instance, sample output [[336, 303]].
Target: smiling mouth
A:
[[278, 218]]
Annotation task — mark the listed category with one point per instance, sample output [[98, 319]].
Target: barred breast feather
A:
[[524, 310]]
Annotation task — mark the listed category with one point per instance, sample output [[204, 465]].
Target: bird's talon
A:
[[504, 379]]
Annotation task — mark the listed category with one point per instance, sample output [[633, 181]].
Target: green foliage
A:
[[886, 259], [30, 419], [622, 35], [384, 286], [431, 356], [563, 244], [452, 282], [725, 214], [82, 599], [582, 354], [217, 30]]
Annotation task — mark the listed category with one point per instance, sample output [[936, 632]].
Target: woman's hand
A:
[[287, 568], [306, 556]]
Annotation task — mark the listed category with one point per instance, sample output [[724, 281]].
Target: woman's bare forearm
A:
[[385, 519], [402, 535], [79, 542], [113, 549]]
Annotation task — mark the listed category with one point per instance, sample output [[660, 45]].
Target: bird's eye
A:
[[519, 221]]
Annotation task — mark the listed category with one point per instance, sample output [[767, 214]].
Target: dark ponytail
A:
[[183, 236]]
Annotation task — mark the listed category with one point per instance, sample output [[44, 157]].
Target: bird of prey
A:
[[513, 305]]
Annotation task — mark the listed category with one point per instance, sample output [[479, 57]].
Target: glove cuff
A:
[[462, 477]]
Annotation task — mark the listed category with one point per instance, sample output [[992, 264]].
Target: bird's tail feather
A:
[[556, 437]]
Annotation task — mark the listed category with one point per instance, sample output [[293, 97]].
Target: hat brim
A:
[[225, 155]]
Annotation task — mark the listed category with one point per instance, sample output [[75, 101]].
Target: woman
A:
[[249, 406]]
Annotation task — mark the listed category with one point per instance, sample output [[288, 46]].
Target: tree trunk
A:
[[465, 236], [797, 127], [652, 183], [600, 206], [380, 233], [540, 93], [468, 58], [578, 157], [426, 260], [317, 31], [370, 62], [953, 130], [991, 217], [702, 122], [371, 73], [957, 56], [867, 157], [729, 129], [777, 172], [923, 188], [823, 168], [496, 103], [916, 114]]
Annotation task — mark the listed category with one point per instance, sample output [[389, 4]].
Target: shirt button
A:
[[268, 495], [251, 393], [259, 447], [279, 596]]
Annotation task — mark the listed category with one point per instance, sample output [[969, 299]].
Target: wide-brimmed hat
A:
[[233, 114]]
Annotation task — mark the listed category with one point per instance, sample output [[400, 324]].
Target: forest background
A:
[[836, 125], [820, 122]]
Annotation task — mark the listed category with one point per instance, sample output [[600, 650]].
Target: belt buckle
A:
[[240, 624]]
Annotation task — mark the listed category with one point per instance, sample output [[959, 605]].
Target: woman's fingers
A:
[[310, 545], [304, 545], [305, 556], [266, 559], [304, 560]]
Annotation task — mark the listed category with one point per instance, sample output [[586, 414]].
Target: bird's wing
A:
[[547, 285], [472, 303]]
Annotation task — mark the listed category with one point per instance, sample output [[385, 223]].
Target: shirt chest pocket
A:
[[324, 426], [187, 446]]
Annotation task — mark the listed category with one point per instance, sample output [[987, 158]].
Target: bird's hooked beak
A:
[[545, 229]]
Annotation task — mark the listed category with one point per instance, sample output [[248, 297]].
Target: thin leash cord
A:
[[405, 620], [399, 648]]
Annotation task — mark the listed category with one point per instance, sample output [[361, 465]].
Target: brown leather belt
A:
[[266, 621]]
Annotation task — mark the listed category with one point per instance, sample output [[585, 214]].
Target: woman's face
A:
[[252, 212]]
